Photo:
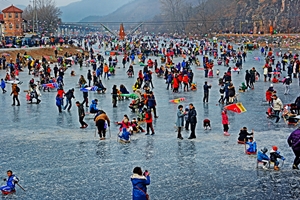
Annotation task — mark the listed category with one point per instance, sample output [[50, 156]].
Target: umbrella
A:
[[236, 107]]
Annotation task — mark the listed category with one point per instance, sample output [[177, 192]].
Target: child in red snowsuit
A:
[[148, 117], [225, 123]]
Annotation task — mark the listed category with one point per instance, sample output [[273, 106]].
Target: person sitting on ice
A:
[[206, 124], [93, 106], [274, 154], [275, 79], [263, 157], [125, 123], [125, 136], [289, 115], [10, 182], [73, 73], [130, 71], [193, 86], [244, 135], [243, 87], [252, 146], [135, 126], [100, 86]]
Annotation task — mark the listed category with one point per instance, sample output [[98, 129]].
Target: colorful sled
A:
[[8, 192]]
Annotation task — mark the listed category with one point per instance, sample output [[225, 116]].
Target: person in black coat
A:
[[89, 77], [243, 135], [192, 119]]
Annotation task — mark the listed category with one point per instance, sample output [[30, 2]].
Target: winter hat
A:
[[275, 148], [271, 85], [264, 150]]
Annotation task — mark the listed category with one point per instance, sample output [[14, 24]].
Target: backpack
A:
[[17, 89]]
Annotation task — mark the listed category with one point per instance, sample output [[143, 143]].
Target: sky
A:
[[6, 3]]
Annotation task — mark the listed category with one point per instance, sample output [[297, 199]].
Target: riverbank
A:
[[39, 52]]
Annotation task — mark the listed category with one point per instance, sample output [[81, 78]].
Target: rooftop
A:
[[12, 9]]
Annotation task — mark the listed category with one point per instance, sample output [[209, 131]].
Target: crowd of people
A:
[[179, 77]]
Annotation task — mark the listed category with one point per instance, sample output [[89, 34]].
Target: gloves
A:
[[16, 182], [4, 179], [282, 158]]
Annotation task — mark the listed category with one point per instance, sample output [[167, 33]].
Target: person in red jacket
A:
[[148, 117], [225, 123], [185, 81], [175, 84], [150, 63]]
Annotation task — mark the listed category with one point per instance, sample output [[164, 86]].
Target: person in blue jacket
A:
[[10, 182], [3, 85], [139, 184], [59, 103], [125, 135], [252, 146], [93, 106], [263, 157], [169, 79]]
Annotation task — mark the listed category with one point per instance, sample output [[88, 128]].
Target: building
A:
[[13, 22], [1, 26]]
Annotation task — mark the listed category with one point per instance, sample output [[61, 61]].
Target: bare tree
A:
[[177, 12], [44, 14]]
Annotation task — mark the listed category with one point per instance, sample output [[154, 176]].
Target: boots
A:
[[295, 166], [226, 133], [179, 136], [276, 168]]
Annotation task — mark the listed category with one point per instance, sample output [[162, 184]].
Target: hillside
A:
[[76, 11], [246, 15], [135, 11]]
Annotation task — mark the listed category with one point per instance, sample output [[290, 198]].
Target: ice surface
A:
[[56, 160]]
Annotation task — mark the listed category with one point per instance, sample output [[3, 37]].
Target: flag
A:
[[177, 100], [236, 107]]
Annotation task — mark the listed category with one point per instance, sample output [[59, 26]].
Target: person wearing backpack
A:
[[15, 92]]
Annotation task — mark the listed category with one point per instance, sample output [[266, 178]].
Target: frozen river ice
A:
[[56, 160]]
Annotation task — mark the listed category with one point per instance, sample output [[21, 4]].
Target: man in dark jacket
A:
[[69, 95], [206, 91], [192, 119], [152, 103], [81, 114], [89, 77], [247, 78], [294, 143]]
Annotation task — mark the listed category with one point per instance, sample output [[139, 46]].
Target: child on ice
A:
[[252, 146], [125, 135], [274, 154], [225, 123], [244, 135], [206, 124], [263, 157]]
